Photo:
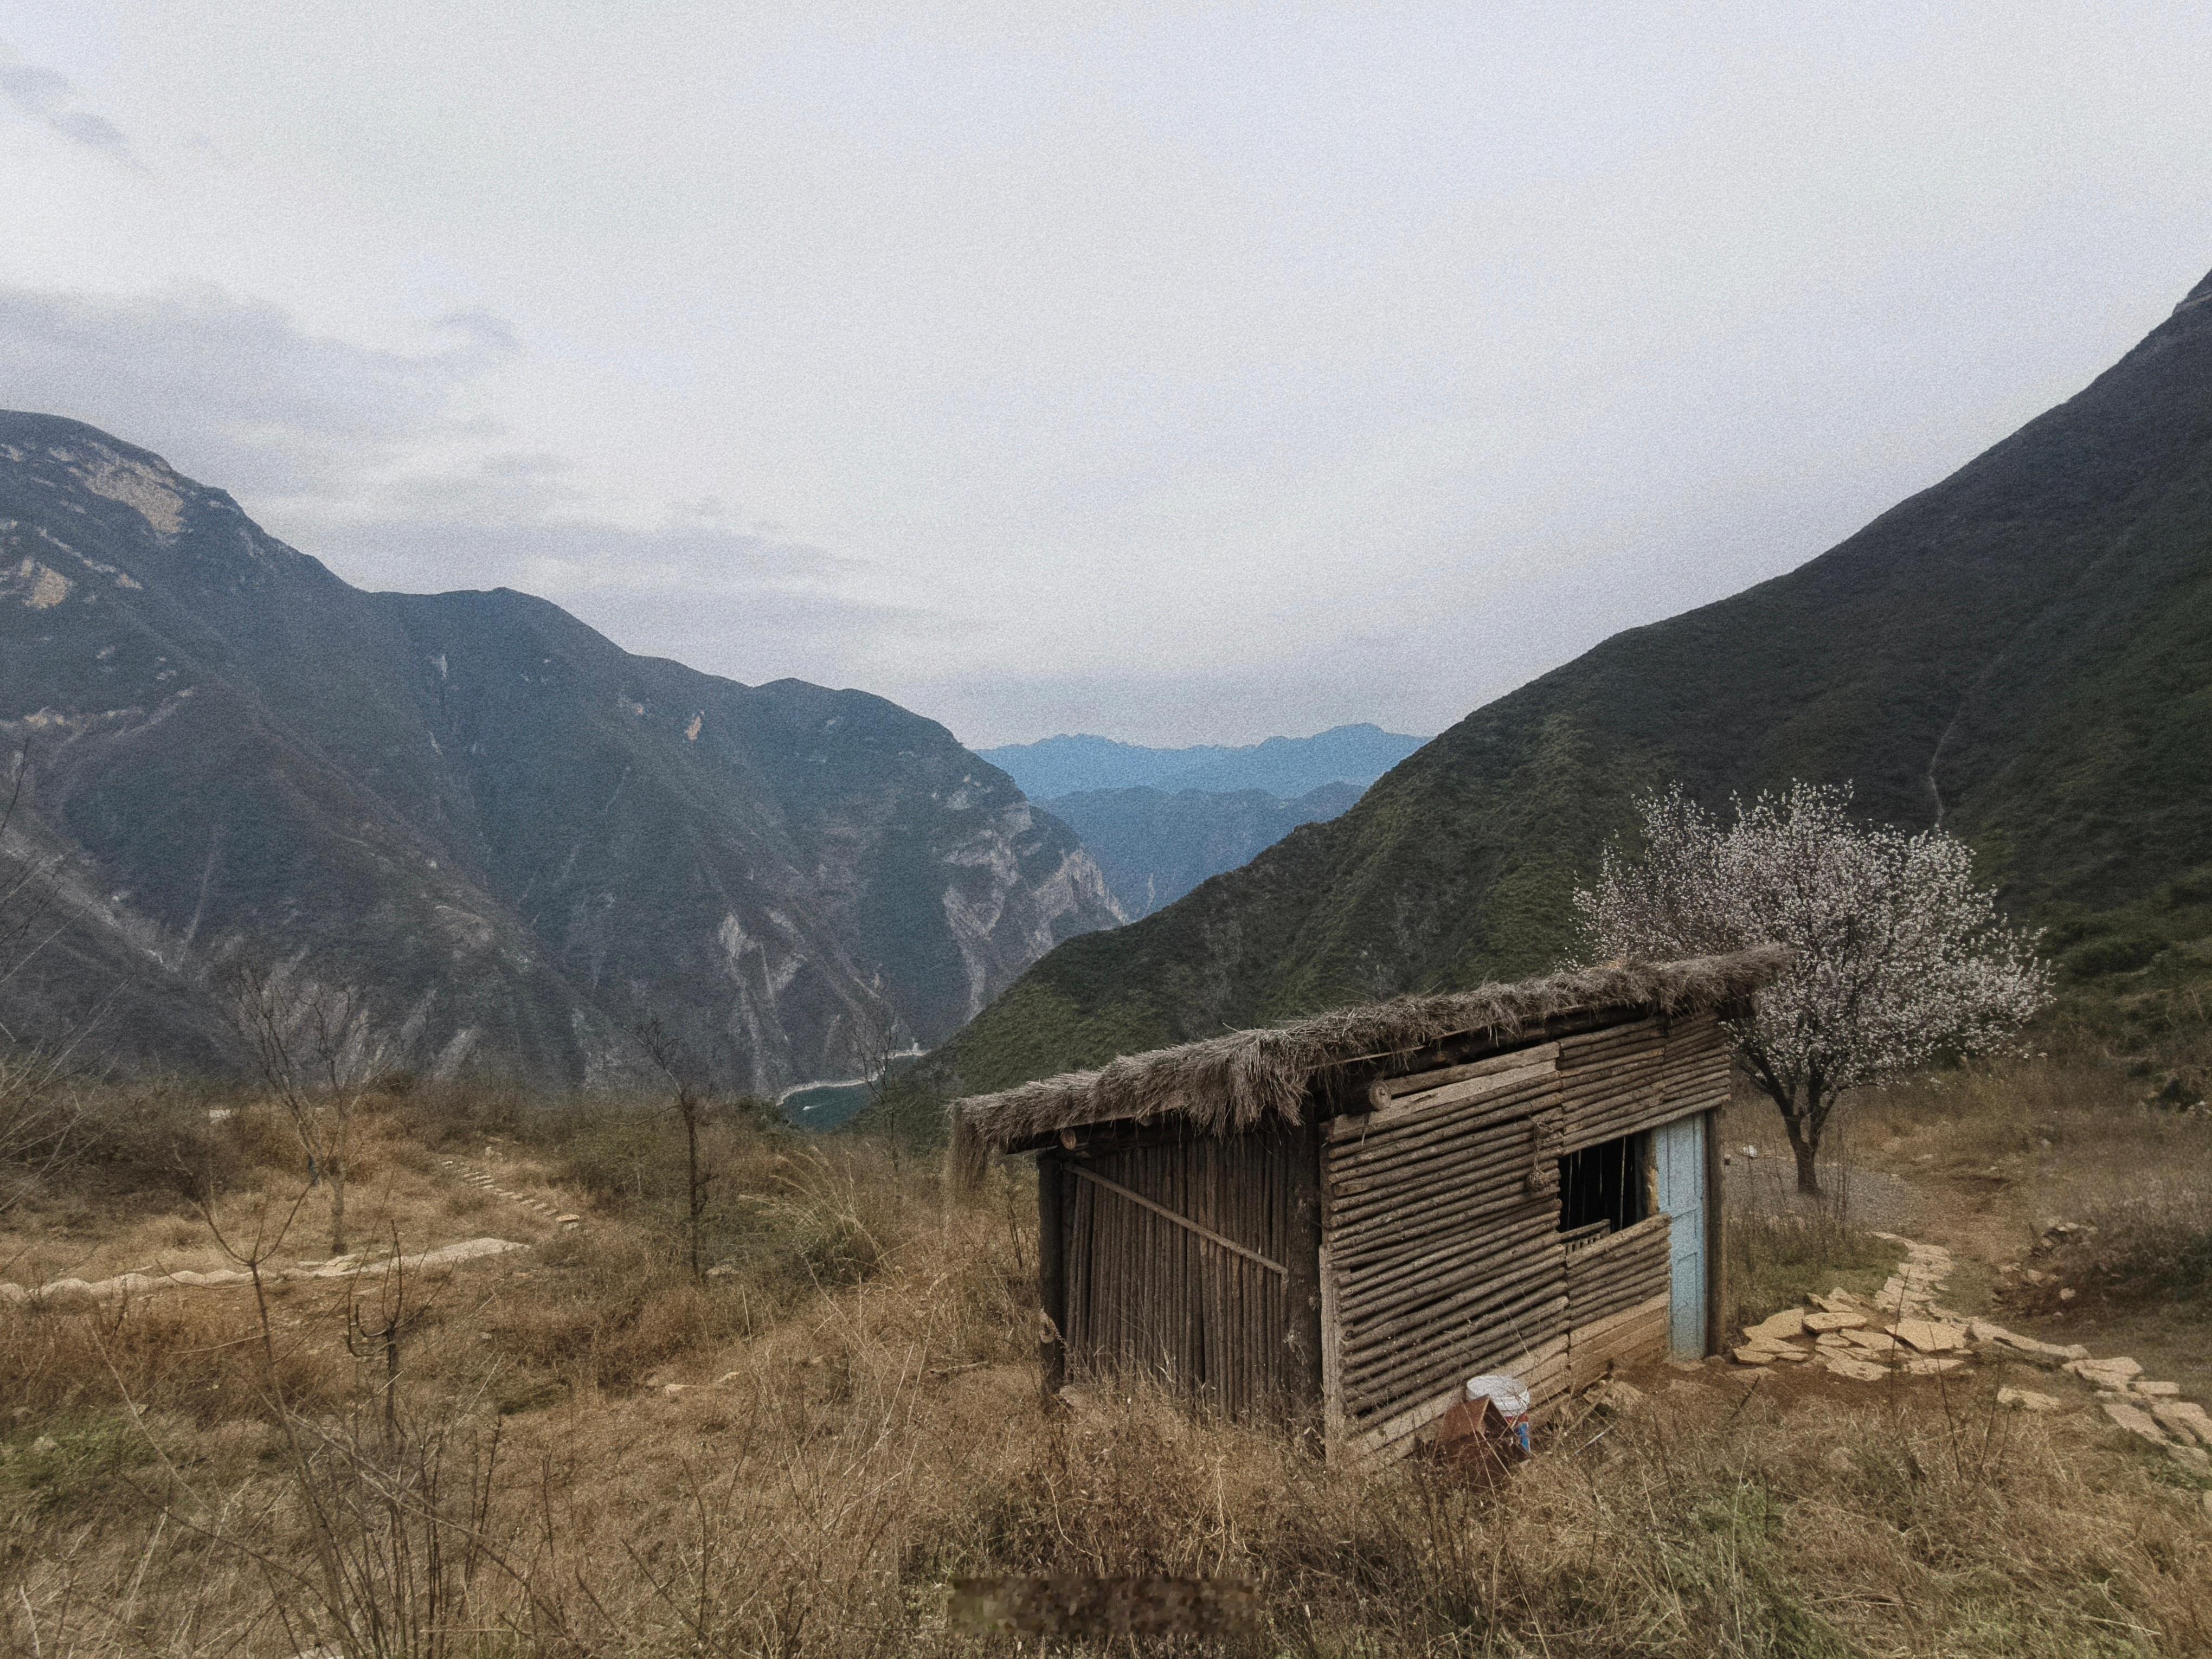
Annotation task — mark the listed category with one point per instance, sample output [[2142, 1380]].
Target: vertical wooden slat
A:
[[1052, 1271], [1299, 1174], [1144, 1295]]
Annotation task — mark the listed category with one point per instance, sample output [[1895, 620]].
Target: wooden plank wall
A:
[[1626, 1079], [1443, 1251], [1633, 1335], [1617, 1271], [1144, 1295], [1442, 1257]]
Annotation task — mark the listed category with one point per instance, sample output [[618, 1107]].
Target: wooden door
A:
[[1678, 1151], [1176, 1264]]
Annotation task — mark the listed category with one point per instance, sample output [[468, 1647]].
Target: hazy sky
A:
[[1179, 373]]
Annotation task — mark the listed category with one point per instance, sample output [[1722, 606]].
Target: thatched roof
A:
[[1223, 1084]]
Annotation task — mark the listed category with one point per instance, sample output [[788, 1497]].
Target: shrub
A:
[[2117, 954]]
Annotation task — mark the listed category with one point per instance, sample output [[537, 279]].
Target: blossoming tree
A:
[[1898, 957]]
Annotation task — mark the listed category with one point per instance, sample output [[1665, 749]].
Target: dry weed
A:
[[797, 1457]]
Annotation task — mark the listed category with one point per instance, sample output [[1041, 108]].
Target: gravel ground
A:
[[1767, 1185]]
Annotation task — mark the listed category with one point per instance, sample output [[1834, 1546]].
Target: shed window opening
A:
[[1604, 1188]]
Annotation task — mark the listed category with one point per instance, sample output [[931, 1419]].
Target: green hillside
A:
[[2024, 650]]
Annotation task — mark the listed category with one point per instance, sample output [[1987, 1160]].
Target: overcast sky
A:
[[1178, 373]]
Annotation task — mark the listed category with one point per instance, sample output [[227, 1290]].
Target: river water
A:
[[820, 1106]]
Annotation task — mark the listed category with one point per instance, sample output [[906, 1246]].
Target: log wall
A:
[[1632, 1335], [1443, 1253], [1617, 1271], [1627, 1078], [1441, 1256]]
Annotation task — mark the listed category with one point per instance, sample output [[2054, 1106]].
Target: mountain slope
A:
[[2025, 650], [1154, 846], [1291, 767], [1077, 762], [1282, 767], [520, 838]]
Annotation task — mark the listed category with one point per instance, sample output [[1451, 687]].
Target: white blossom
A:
[[1898, 957]]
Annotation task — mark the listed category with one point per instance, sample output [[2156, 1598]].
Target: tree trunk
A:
[[1803, 1126], [691, 1196], [1808, 1174]]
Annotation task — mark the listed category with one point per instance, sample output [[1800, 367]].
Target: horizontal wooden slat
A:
[[1395, 1234], [1527, 1093], [1523, 1144], [1418, 1253], [1432, 1279], [1612, 1040], [1539, 1364], [1533, 1310], [1625, 1239], [1383, 1092], [1632, 1335]]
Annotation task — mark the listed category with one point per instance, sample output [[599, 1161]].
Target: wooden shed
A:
[[1345, 1219]]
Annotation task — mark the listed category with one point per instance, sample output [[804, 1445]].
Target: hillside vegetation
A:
[[2022, 652]]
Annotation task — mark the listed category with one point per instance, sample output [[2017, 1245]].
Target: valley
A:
[[1192, 832]]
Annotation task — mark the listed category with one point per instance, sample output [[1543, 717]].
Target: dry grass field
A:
[[577, 1449]]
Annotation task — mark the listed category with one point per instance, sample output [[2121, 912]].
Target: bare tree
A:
[[692, 1099], [1897, 956], [41, 1115], [318, 1053]]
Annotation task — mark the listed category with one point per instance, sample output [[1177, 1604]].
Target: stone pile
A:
[[1901, 1331]]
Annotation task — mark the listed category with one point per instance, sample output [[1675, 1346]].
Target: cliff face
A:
[[518, 839]]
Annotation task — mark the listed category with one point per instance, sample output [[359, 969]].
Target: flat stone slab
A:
[[1834, 1321], [1776, 1328], [2041, 1352], [2137, 1421], [2185, 1420], [2105, 1373], [1615, 1395], [2156, 1390], [1858, 1371], [1768, 1353], [1932, 1336], [1933, 1366], [2025, 1399]]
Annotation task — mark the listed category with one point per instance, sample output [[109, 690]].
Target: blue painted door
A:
[[1678, 1151]]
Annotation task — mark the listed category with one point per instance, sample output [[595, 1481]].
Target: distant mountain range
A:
[[1282, 767], [2022, 652], [517, 839], [1154, 845]]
